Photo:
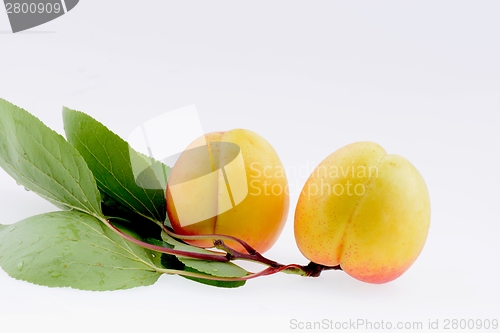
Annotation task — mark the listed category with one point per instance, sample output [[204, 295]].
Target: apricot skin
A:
[[259, 218], [376, 230]]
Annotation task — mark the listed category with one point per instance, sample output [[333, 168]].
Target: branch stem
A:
[[213, 237], [162, 249]]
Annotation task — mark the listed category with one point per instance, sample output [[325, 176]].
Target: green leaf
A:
[[44, 162], [111, 160], [73, 249], [215, 268], [215, 283], [172, 262]]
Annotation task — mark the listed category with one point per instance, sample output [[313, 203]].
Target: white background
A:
[[421, 78]]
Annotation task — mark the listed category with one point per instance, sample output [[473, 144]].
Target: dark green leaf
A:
[[111, 160], [215, 268], [172, 262], [73, 249], [44, 162], [215, 283], [116, 212]]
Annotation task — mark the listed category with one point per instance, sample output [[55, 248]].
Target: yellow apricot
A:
[[229, 183], [364, 210]]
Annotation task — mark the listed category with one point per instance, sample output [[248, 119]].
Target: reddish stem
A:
[[215, 237], [161, 249], [233, 254]]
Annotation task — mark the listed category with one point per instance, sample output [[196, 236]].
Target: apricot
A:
[[229, 183], [365, 210]]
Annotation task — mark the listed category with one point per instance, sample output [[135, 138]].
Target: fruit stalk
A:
[[162, 249]]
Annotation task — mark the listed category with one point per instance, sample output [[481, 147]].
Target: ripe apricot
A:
[[230, 183], [364, 210]]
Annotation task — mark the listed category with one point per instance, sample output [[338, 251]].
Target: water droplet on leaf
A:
[[20, 266]]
